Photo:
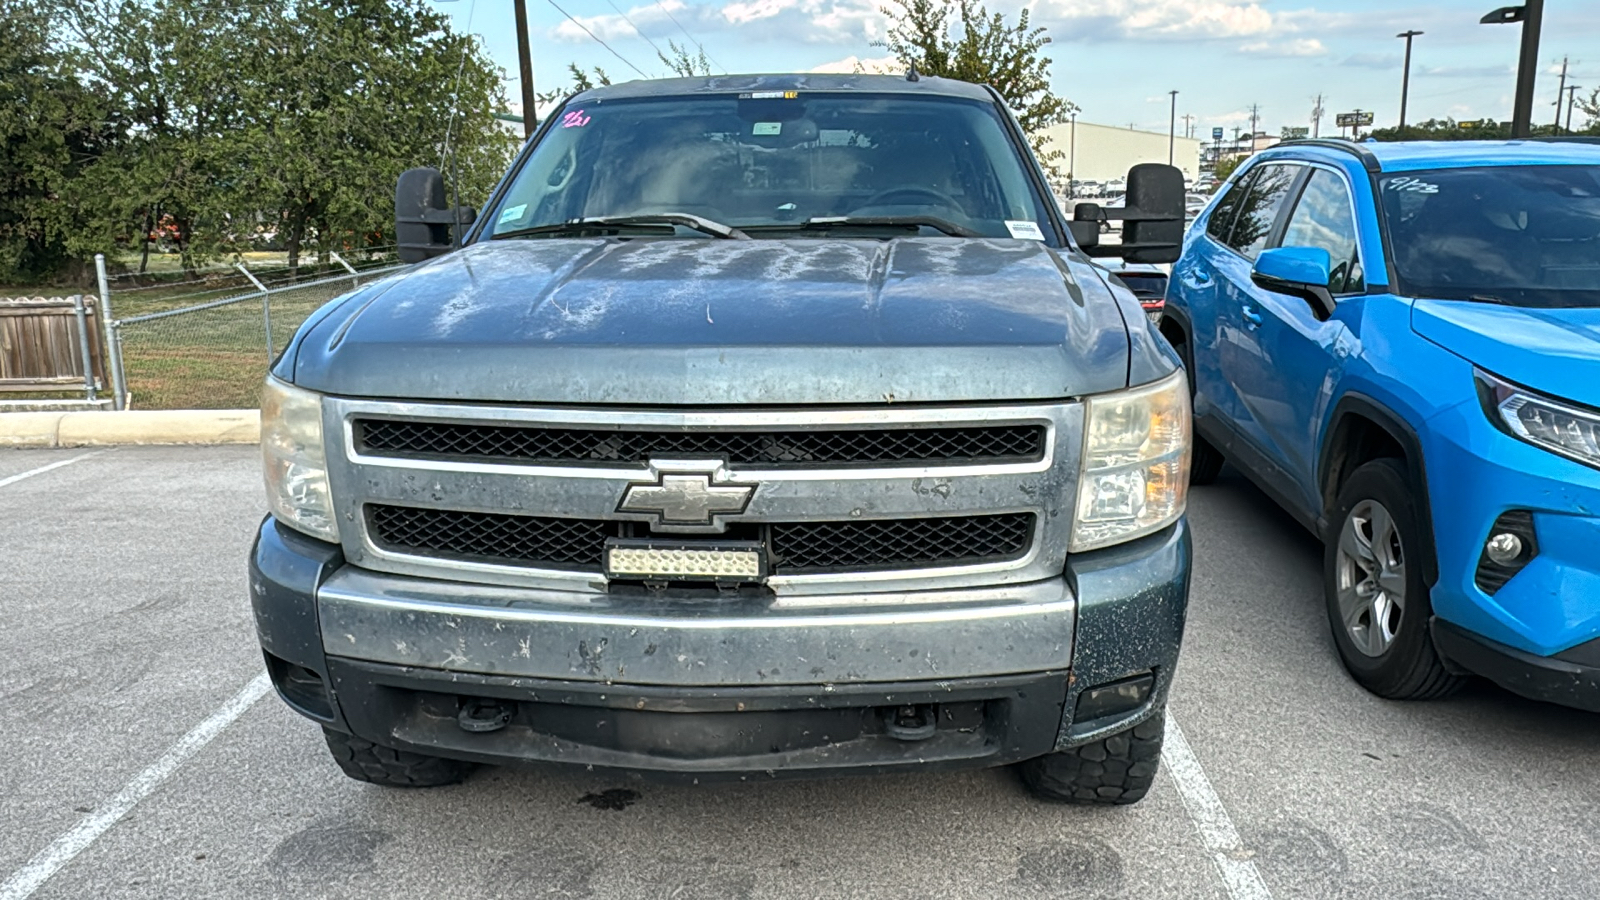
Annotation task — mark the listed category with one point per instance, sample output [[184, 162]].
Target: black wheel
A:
[[1376, 594], [1115, 770], [369, 762]]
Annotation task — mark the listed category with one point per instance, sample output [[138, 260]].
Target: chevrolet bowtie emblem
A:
[[687, 495]]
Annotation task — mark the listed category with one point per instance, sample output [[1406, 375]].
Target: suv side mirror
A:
[[423, 218], [1298, 272], [1153, 216]]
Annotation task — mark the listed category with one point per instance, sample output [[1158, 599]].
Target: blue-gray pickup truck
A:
[[761, 426]]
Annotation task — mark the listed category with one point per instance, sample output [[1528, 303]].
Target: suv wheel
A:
[[1115, 770], [1377, 598], [374, 764]]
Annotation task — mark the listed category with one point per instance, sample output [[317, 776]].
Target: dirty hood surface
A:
[[1556, 351], [675, 321]]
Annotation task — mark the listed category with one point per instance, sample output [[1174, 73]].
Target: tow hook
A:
[[483, 716], [911, 723]]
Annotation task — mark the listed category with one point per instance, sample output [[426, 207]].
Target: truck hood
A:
[[1556, 351], [700, 321]]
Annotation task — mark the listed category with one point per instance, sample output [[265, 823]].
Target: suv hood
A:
[[1554, 351], [677, 321]]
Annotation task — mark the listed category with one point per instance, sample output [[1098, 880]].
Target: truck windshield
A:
[[1518, 235], [772, 164]]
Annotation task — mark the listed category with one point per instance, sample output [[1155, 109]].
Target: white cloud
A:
[[753, 21], [1182, 19], [874, 65], [1285, 47]]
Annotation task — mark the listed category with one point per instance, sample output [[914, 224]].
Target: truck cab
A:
[[761, 426]]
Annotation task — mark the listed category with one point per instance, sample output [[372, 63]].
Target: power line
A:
[[597, 39], [691, 37], [636, 28]]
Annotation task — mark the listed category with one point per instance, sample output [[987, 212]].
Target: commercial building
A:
[[1103, 152]]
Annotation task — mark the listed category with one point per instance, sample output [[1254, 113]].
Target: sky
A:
[[1116, 59]]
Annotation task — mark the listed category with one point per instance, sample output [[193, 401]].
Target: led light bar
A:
[[659, 561]]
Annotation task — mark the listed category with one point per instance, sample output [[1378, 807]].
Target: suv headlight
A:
[[295, 463], [1135, 470], [1557, 426]]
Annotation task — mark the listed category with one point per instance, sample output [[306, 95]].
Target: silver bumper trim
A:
[[920, 636]]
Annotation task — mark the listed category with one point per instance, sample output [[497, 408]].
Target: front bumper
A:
[[1476, 473], [1570, 678], [726, 689]]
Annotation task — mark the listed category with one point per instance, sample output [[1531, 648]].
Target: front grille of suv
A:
[[795, 547], [987, 444]]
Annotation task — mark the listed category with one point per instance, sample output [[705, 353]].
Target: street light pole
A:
[[530, 117], [1531, 15], [1072, 160], [1172, 128], [1405, 79]]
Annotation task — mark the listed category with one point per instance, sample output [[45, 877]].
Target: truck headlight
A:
[[296, 466], [1557, 426], [1135, 470]]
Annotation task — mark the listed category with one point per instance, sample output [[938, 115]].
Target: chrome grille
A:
[[573, 446], [545, 542]]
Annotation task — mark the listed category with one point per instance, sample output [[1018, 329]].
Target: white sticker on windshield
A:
[[1411, 185], [513, 212], [767, 128], [1024, 230]]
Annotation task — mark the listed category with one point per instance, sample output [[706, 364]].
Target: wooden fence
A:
[[41, 348]]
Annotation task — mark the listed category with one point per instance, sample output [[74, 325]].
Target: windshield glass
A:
[[1520, 235], [762, 161]]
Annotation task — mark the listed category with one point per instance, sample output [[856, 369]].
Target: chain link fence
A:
[[197, 350]]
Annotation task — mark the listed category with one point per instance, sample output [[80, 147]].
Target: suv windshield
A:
[[764, 162], [1524, 235]]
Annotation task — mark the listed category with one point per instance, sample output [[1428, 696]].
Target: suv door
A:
[[1194, 283], [1287, 384], [1239, 302]]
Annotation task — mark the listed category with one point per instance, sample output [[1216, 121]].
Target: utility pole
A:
[[1405, 78], [1572, 91], [1316, 118], [1255, 116], [1531, 15], [530, 117], [1561, 90], [1188, 125], [1172, 128], [1072, 159]]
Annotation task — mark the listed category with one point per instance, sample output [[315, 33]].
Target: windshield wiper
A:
[[822, 223], [1486, 298], [600, 223]]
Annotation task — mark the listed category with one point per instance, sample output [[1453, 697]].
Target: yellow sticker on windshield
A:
[[767, 128]]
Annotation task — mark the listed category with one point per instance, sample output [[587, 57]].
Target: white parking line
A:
[[61, 851], [1210, 817], [13, 479]]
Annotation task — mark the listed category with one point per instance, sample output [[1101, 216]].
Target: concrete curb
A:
[[155, 426]]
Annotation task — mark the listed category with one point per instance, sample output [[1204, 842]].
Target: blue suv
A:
[[1400, 343]]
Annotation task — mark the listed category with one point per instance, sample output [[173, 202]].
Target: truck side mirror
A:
[[1152, 215], [423, 218], [1085, 225]]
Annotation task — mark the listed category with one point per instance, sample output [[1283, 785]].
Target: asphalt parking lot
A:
[[124, 624]]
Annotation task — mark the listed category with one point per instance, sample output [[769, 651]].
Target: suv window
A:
[[1322, 217], [1221, 221], [1259, 208]]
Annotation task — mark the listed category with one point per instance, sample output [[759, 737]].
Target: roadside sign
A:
[[1357, 118], [1295, 132], [1216, 134]]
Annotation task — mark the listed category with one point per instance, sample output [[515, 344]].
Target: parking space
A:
[[126, 624]]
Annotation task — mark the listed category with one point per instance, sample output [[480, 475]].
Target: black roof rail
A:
[[1368, 159]]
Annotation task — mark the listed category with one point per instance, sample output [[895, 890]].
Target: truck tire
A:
[[1115, 770], [369, 762], [1377, 597]]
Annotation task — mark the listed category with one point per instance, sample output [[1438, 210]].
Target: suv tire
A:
[[365, 761], [1376, 594], [1115, 770], [1205, 461]]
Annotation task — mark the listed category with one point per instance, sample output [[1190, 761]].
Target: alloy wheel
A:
[[1371, 577]]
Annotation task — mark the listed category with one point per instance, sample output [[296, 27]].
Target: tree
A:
[[682, 63], [581, 81], [987, 50], [1225, 168], [51, 125]]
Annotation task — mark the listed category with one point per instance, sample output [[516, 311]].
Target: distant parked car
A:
[[1400, 343]]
